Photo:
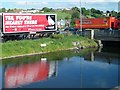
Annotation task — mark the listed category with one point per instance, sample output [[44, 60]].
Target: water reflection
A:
[[89, 68], [23, 74], [0, 74]]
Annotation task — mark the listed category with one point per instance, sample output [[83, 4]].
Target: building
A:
[[30, 11], [119, 6], [61, 23]]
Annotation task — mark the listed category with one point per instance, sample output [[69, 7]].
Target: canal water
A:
[[88, 68]]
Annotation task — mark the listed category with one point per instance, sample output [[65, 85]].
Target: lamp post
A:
[[26, 6], [82, 34], [80, 17]]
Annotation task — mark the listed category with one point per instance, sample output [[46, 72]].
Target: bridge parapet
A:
[[107, 35], [104, 35]]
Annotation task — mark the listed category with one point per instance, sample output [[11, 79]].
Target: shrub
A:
[[68, 33], [57, 36]]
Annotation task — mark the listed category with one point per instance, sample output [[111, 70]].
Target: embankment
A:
[[29, 47]]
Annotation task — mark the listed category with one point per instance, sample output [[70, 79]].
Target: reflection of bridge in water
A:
[[105, 57]]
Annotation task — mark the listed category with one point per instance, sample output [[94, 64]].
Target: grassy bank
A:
[[60, 15], [14, 48]]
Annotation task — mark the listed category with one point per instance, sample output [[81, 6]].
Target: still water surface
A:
[[64, 69]]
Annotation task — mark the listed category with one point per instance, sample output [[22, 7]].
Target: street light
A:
[[80, 17], [82, 34], [26, 5]]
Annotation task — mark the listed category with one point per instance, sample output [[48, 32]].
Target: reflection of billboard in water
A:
[[28, 73], [0, 76]]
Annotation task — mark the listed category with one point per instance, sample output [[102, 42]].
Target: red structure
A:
[[23, 74], [117, 24], [99, 23], [20, 23], [16, 26]]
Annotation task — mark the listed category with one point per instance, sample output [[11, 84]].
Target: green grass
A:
[[13, 48], [60, 15]]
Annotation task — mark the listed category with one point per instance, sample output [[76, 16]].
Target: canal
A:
[[88, 68]]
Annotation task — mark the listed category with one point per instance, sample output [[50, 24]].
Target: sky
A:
[[103, 5]]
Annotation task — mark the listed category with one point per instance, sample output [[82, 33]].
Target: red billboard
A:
[[93, 23], [17, 23]]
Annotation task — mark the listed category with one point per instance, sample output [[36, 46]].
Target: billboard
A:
[[17, 23], [96, 23]]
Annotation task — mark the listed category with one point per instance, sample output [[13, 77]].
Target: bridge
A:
[[107, 35], [103, 35]]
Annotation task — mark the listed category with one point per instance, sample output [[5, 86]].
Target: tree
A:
[[3, 10], [93, 10], [75, 15], [0, 10], [75, 9], [10, 10], [67, 17], [64, 10], [98, 12], [113, 13], [107, 11], [45, 9], [118, 15], [85, 12]]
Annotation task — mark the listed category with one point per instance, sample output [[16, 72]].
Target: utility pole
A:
[[80, 17], [26, 6]]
